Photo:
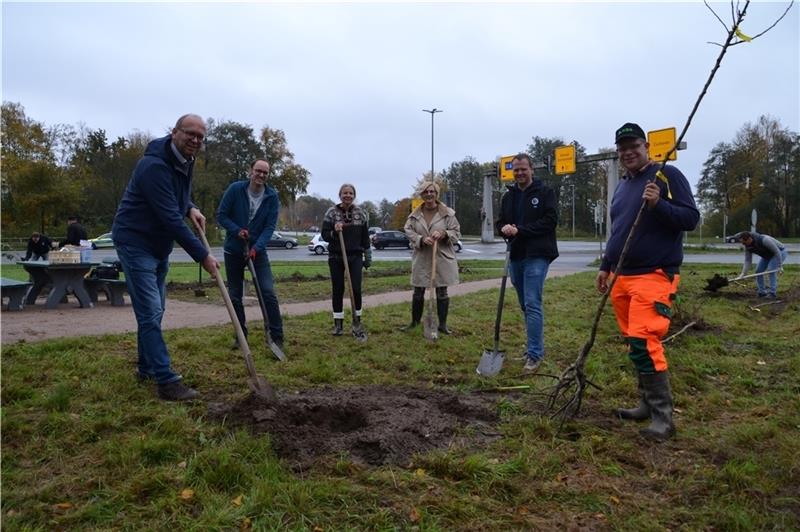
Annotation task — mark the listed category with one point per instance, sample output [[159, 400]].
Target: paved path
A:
[[38, 323]]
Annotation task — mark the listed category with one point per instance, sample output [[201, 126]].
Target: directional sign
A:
[[505, 168], [565, 159], [661, 141], [415, 202]]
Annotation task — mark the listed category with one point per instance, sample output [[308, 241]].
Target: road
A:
[[572, 253]]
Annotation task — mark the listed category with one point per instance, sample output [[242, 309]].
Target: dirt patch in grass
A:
[[374, 425]]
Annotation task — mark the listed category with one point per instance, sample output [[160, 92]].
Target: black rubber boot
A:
[[658, 395], [338, 326], [641, 412], [417, 305], [442, 307]]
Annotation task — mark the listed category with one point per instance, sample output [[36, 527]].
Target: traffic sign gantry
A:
[[661, 141], [565, 159]]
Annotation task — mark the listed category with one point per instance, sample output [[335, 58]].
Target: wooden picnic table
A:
[[64, 277]]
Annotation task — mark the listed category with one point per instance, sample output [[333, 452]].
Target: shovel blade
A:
[[262, 389], [430, 328], [491, 363], [359, 333], [276, 349]]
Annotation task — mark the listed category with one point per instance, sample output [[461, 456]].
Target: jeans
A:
[[769, 264], [145, 277], [528, 276], [235, 266]]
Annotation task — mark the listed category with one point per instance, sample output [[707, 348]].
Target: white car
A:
[[317, 245]]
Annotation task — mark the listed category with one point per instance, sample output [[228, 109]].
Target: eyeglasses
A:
[[429, 192], [631, 147], [199, 137]]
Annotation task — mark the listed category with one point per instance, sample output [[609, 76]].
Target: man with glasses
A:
[[528, 219], [248, 212], [648, 279], [149, 219]]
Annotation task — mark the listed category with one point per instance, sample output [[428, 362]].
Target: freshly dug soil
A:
[[375, 425]]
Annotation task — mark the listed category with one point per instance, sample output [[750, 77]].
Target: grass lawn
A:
[[85, 447]]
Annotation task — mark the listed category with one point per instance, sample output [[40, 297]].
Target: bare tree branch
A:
[[717, 16], [774, 23]]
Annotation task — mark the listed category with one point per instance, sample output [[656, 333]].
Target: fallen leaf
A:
[[318, 528], [413, 515], [246, 524], [419, 473], [75, 416], [64, 505], [11, 513], [600, 515], [761, 363], [523, 510], [678, 410], [182, 465], [494, 461], [615, 500], [187, 494], [238, 500]]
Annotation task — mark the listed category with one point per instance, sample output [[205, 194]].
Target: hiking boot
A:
[[640, 413], [531, 365], [338, 326], [176, 391], [658, 395]]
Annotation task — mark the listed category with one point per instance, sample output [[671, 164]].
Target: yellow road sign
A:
[[505, 168], [415, 202], [661, 141], [565, 159]]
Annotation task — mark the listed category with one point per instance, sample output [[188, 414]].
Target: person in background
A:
[[648, 278], [433, 221], [528, 219], [773, 256], [249, 212], [75, 233], [38, 247], [149, 219], [352, 222]]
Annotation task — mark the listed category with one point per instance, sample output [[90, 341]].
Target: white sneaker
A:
[[532, 365]]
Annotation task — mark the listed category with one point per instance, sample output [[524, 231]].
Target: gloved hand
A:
[[244, 234], [367, 258], [252, 254]]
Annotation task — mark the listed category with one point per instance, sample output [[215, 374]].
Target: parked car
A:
[[317, 245], [102, 241], [280, 241], [459, 246], [373, 230], [386, 239]]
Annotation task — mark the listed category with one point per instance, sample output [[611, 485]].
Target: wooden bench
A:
[[15, 291], [114, 289]]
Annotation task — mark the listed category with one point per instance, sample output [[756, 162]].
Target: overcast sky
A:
[[347, 82]]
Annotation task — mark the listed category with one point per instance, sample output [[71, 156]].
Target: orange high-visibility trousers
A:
[[643, 308]]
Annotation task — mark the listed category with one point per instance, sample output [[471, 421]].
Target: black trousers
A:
[[336, 267]]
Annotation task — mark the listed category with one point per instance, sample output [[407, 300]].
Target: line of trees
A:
[[51, 172]]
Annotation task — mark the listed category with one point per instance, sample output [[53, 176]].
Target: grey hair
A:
[[179, 123]]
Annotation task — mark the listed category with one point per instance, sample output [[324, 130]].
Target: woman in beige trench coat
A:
[[432, 221]]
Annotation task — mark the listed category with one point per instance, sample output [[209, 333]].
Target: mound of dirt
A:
[[375, 425]]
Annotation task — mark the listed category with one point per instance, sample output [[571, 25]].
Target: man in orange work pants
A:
[[648, 279]]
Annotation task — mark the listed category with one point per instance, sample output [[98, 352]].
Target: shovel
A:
[[257, 384], [358, 328], [718, 281], [431, 327], [275, 348], [491, 361]]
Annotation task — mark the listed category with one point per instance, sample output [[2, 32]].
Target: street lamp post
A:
[[432, 112]]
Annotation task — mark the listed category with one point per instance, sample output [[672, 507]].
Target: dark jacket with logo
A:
[[233, 214], [658, 239], [534, 212], [155, 203]]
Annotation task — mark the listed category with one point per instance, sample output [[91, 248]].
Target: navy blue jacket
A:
[[658, 240], [232, 214], [155, 203], [534, 212]]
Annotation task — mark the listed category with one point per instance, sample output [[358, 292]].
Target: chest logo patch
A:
[[535, 202]]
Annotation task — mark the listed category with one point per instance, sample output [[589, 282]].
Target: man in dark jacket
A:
[[38, 247], [248, 212], [149, 220], [528, 219], [75, 233], [648, 278]]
